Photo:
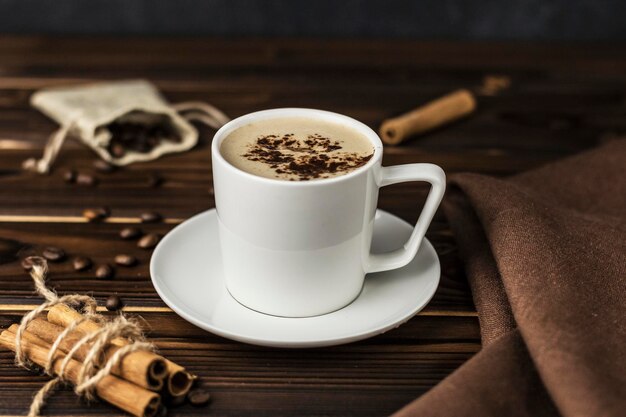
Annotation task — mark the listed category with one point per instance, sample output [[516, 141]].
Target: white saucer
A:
[[186, 272]]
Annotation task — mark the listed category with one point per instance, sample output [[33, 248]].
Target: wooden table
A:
[[563, 99]]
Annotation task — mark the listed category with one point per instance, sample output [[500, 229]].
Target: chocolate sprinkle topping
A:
[[314, 157]]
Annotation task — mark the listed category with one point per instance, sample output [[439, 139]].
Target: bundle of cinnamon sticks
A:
[[136, 384]]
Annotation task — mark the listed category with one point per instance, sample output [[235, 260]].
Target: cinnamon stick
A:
[[141, 367], [436, 113], [122, 394], [178, 381]]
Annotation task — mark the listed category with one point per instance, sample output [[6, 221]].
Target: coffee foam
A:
[[296, 149]]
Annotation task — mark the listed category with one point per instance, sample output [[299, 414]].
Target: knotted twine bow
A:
[[89, 376]]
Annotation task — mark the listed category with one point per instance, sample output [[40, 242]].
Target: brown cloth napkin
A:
[[545, 255]]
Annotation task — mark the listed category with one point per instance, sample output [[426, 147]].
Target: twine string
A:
[[53, 349], [50, 152], [39, 400], [92, 371], [88, 386], [202, 112]]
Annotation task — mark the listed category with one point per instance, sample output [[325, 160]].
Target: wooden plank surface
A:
[[563, 99]]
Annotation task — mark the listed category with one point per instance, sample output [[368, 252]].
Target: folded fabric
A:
[[545, 256]]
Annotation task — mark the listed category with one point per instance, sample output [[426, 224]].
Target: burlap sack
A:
[[86, 111]]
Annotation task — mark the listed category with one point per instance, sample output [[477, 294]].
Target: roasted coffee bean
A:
[[130, 233], [158, 131], [105, 271], [127, 135], [96, 214], [153, 141], [103, 166], [149, 241], [150, 217], [165, 132], [125, 260], [176, 401], [27, 264], [143, 146], [142, 134], [69, 176], [198, 397], [114, 303], [54, 254], [155, 181], [161, 411], [86, 179], [81, 263], [127, 138], [117, 150], [9, 250]]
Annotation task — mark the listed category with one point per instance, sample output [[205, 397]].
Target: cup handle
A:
[[403, 173]]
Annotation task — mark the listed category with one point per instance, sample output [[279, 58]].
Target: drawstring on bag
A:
[[202, 112], [50, 151]]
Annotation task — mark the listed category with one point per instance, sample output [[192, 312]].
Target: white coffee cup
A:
[[302, 248]]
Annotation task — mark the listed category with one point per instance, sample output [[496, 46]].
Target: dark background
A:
[[591, 20]]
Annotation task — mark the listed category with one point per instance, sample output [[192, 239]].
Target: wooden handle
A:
[[436, 113]]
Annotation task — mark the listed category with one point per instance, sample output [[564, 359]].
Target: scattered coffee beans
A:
[[81, 263], [130, 233], [86, 179], [96, 214], [149, 241], [114, 303], [27, 264], [54, 254], [198, 397], [126, 260], [150, 217], [105, 271], [69, 176], [103, 166]]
